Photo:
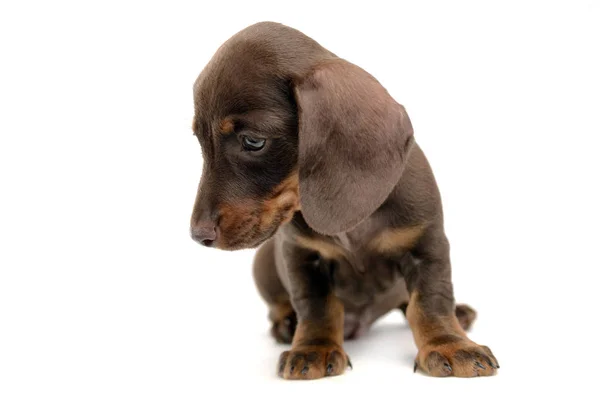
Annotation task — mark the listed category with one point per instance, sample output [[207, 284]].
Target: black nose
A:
[[204, 232]]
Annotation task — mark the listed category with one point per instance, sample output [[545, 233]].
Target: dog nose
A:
[[205, 233]]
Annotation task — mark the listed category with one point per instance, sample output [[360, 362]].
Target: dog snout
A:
[[204, 232]]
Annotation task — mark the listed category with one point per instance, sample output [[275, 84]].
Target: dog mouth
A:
[[252, 229], [248, 223], [245, 241], [250, 236]]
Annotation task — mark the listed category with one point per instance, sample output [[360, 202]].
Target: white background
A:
[[104, 296]]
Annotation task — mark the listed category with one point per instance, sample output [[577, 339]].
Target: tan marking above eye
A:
[[226, 126], [396, 239]]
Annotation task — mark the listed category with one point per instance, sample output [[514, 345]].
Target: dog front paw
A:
[[454, 356], [313, 362]]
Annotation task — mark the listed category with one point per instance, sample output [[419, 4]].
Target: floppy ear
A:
[[354, 140]]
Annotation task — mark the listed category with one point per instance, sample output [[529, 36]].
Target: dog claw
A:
[[415, 367], [304, 370], [329, 369], [480, 365], [350, 363], [448, 367]]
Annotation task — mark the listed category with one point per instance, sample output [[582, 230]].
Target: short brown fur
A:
[[317, 345], [226, 126], [392, 240], [324, 248], [336, 195], [444, 348]]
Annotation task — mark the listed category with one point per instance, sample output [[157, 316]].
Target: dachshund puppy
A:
[[308, 158]]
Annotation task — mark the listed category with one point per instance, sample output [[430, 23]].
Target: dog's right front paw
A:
[[313, 362]]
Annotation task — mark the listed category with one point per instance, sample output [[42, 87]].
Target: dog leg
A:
[[464, 313], [443, 346], [317, 344], [270, 288]]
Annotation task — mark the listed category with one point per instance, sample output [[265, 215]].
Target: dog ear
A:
[[354, 140]]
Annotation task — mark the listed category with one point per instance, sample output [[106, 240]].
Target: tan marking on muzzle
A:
[[254, 218]]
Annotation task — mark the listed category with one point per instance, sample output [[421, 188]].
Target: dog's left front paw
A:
[[453, 356], [313, 362]]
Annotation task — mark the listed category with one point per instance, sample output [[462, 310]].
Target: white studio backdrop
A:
[[104, 295]]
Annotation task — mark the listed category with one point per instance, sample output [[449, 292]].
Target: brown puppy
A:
[[307, 156]]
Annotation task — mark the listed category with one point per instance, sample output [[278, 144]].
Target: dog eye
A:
[[252, 144]]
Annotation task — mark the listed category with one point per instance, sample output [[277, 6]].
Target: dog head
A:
[[286, 126]]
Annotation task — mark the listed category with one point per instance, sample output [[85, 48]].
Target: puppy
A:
[[308, 158]]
